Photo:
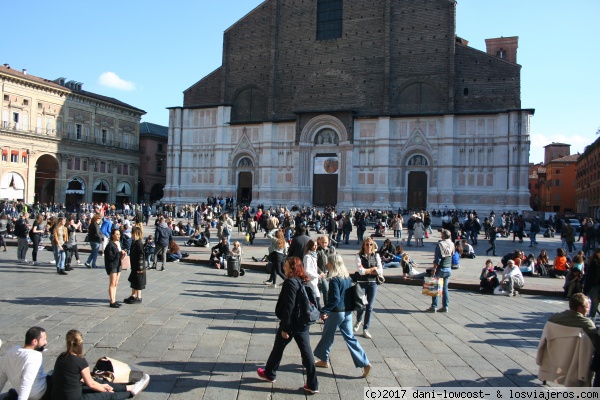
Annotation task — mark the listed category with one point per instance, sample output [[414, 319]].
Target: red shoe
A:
[[262, 375], [309, 390]]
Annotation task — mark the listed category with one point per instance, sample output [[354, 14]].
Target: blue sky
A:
[[146, 53]]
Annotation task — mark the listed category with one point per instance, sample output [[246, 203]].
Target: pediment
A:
[[418, 139], [244, 145]]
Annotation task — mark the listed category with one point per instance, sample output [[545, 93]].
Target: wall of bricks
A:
[[396, 57]]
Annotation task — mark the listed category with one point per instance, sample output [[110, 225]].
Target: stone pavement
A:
[[202, 335]]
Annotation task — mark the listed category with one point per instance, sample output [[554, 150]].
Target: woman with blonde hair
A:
[[137, 275], [338, 314], [112, 263], [71, 368], [369, 267], [59, 237]]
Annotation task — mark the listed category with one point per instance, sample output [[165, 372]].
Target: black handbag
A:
[[359, 298], [67, 247]]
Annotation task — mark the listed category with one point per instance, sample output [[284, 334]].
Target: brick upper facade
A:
[[395, 58]]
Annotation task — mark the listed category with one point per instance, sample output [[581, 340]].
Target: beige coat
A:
[[564, 356]]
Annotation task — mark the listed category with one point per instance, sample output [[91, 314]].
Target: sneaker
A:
[[53, 262], [357, 326], [366, 334], [515, 293], [141, 385], [37, 263], [443, 309], [510, 294], [322, 364], [274, 286], [262, 375], [268, 282], [431, 310], [78, 262], [309, 390], [87, 265], [175, 260], [19, 261], [366, 371], [25, 262]]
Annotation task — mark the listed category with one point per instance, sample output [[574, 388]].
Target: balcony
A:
[[99, 141], [17, 127]]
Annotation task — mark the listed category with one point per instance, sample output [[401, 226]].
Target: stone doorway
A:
[[417, 191]]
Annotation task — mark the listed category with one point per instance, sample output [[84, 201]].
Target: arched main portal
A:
[[46, 173], [244, 180], [417, 183]]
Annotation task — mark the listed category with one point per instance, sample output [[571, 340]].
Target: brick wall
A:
[[395, 57], [492, 83]]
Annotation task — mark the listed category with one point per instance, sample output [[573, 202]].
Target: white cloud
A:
[[112, 80]]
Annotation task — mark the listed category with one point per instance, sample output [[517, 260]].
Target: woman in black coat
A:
[[290, 328], [112, 263], [137, 275]]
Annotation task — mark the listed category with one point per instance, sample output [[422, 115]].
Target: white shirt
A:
[[310, 267], [24, 369]]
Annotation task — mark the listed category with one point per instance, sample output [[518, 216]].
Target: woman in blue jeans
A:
[[59, 237], [95, 238], [442, 268], [369, 266], [338, 314]]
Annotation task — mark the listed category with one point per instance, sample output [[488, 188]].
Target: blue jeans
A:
[[59, 257], [532, 236], [94, 254], [370, 289], [22, 247], [343, 320], [594, 296], [410, 235], [442, 273]]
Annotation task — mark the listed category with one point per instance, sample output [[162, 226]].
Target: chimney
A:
[[504, 48], [24, 71]]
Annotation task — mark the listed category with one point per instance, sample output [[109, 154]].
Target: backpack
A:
[[226, 231], [307, 312]]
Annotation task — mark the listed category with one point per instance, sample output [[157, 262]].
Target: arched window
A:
[[418, 160], [327, 136], [245, 162]]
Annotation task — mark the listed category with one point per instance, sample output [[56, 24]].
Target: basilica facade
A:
[[354, 104]]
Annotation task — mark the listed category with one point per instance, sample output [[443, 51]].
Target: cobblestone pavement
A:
[[202, 335]]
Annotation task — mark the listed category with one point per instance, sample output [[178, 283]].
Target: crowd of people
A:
[[301, 262]]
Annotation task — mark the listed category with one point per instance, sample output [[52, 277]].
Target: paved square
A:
[[201, 335]]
